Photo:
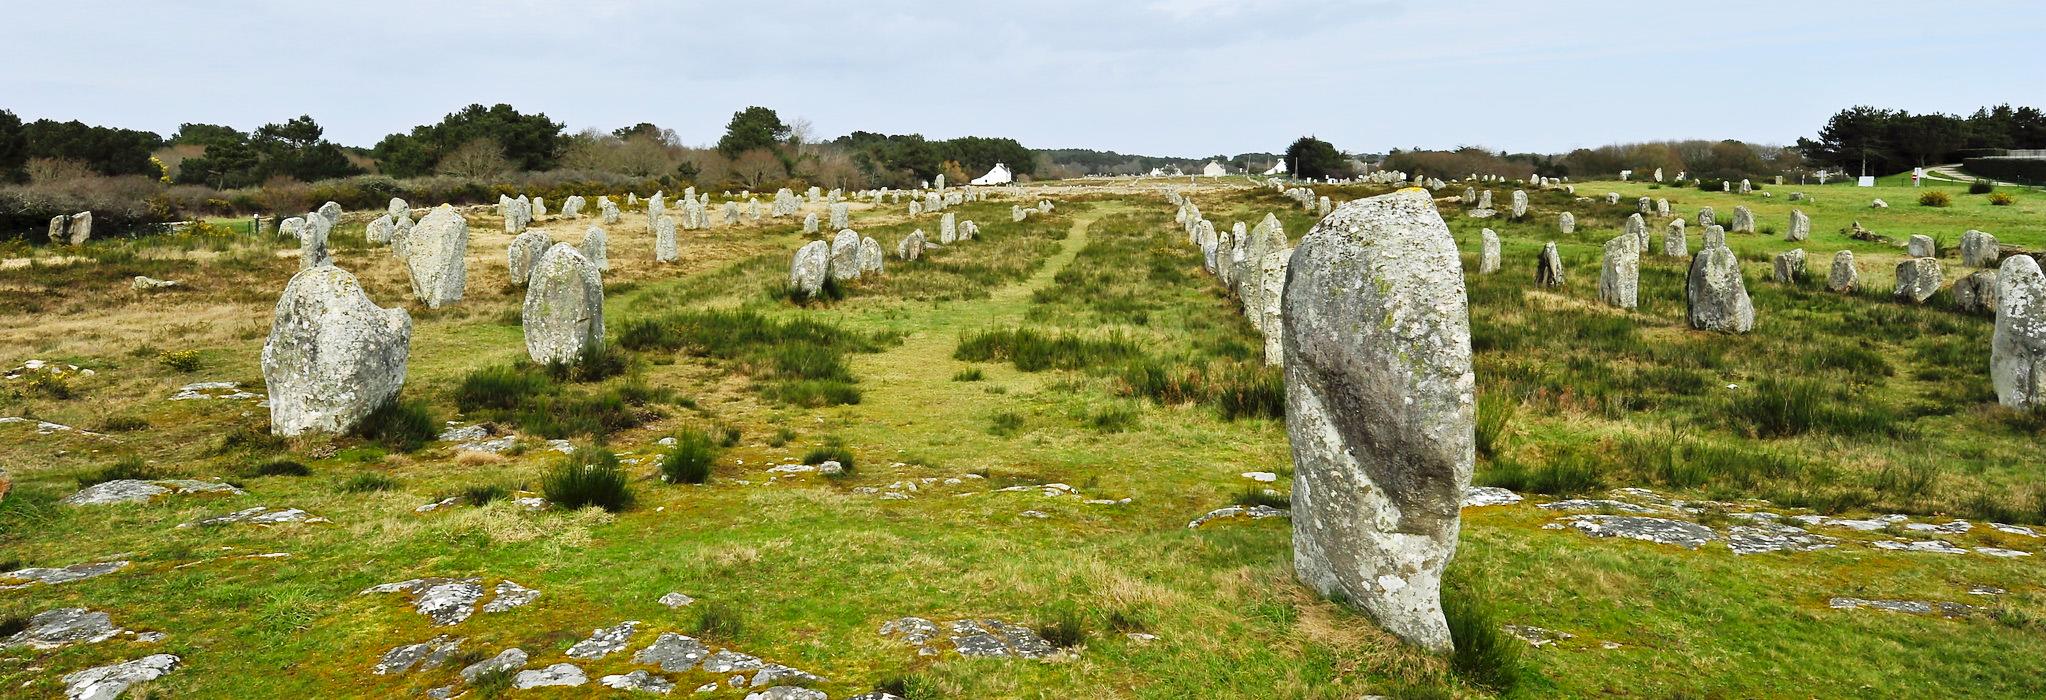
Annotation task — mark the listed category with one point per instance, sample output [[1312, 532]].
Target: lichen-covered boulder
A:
[[845, 255], [841, 215], [1715, 237], [1800, 226], [1566, 222], [436, 254], [1673, 242], [1488, 252], [809, 267], [1743, 220], [333, 355], [2017, 351], [1619, 277], [1707, 217], [331, 211], [524, 252], [1975, 292], [872, 259], [1379, 409], [665, 247], [1519, 203], [595, 246], [1917, 280], [1638, 228], [1788, 267], [1549, 267], [1979, 249], [1843, 277], [564, 311], [1922, 246], [380, 229], [911, 247], [1715, 295], [948, 229]]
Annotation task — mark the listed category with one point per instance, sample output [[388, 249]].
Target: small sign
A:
[[1866, 181], [1916, 175]]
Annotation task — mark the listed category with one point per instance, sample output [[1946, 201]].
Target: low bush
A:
[[279, 467], [588, 477], [969, 375], [2002, 199], [1485, 655], [1034, 351], [1064, 629], [689, 460], [1935, 198], [1981, 187], [180, 360]]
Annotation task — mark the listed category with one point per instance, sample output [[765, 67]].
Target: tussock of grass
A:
[[589, 477], [832, 450], [1485, 656], [799, 362], [130, 467], [527, 396], [400, 425], [689, 461], [279, 467], [1035, 351], [368, 482]]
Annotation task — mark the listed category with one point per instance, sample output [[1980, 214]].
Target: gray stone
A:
[[673, 653], [595, 247], [110, 681], [380, 230], [845, 256], [1975, 292], [505, 661], [1706, 217], [809, 267], [331, 211], [676, 599], [1789, 267], [1800, 227], [810, 223], [1843, 277], [312, 242], [1743, 220], [333, 355], [665, 248], [561, 675], [1688, 535], [436, 256], [776, 674], [259, 515], [1917, 280], [1619, 277], [1909, 607], [1379, 409], [604, 641], [872, 259], [727, 661], [639, 681], [563, 315], [425, 656], [911, 247], [1549, 267], [289, 228], [1673, 242], [508, 595], [1715, 237], [68, 574], [1519, 204], [1638, 228], [63, 627], [788, 692], [1488, 252], [1771, 537], [1566, 222], [1715, 295], [841, 215], [948, 229], [524, 253], [1480, 496], [1270, 298], [1979, 249], [1921, 246], [2017, 357]]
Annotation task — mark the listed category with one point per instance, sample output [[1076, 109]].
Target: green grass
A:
[[588, 478], [690, 460]]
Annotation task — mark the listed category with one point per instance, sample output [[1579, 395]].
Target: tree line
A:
[[1894, 140]]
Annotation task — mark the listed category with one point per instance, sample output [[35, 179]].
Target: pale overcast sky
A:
[[1171, 77]]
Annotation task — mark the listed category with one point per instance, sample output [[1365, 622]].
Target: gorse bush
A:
[[1935, 198], [180, 360], [2002, 199], [588, 477], [689, 460]]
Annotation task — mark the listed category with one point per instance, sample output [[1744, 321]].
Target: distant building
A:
[[1213, 169], [998, 175], [1279, 169]]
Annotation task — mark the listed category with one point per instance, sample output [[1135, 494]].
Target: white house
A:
[[1213, 169], [1279, 169], [998, 175]]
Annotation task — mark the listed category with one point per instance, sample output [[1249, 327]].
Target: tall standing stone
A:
[[872, 259], [665, 248], [1917, 280], [845, 255], [331, 211], [1488, 252], [1714, 237], [810, 223], [1549, 268], [60, 228], [1843, 277], [1661, 208], [809, 268], [1270, 306], [608, 210], [1673, 242], [1379, 409], [1789, 267], [1715, 296], [595, 246], [563, 316], [1743, 220], [1485, 199], [655, 208], [379, 230], [1707, 217], [841, 215], [333, 355], [1979, 249], [1800, 226], [2017, 350], [1638, 228], [1975, 292], [436, 255], [79, 229], [1619, 277], [1643, 206], [948, 229], [524, 253], [312, 242], [1519, 203]]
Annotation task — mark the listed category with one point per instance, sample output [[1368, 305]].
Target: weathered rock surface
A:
[[1979, 249], [1488, 252], [436, 253], [1917, 280], [333, 355], [1688, 535], [673, 653], [604, 641], [639, 681], [424, 656], [563, 315], [524, 253], [110, 681], [1379, 408], [1619, 278], [1715, 295], [809, 268], [1843, 277], [845, 256], [1788, 267], [1800, 226], [595, 246], [1922, 246], [62, 627], [561, 675], [505, 661], [1673, 242], [970, 637], [138, 491], [1975, 292], [1549, 267], [445, 601], [2017, 350], [21, 578]]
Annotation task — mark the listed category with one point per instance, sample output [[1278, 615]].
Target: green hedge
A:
[[2026, 170]]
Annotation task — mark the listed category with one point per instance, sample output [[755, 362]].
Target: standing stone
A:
[[564, 311], [79, 229], [1566, 222], [654, 209], [1844, 277], [1673, 242], [1638, 228], [289, 228], [968, 229], [60, 228], [436, 255], [1714, 237], [1470, 195], [594, 247], [1917, 280], [333, 356], [730, 212], [1661, 208], [810, 223], [379, 230], [948, 229], [665, 248], [1789, 267], [872, 259], [1322, 207], [810, 266], [1800, 226], [331, 211], [2017, 351], [539, 207], [1549, 269], [1715, 296], [399, 234], [1619, 278], [1270, 310], [1743, 220], [1975, 292], [1921, 246], [1519, 203], [841, 215], [1658, 174], [753, 209], [312, 242], [1707, 217], [1643, 206], [911, 247], [572, 207], [608, 210], [1979, 249], [1488, 252], [524, 253], [1379, 410], [845, 255], [1485, 199]]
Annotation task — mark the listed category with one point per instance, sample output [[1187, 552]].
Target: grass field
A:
[[1085, 348]]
